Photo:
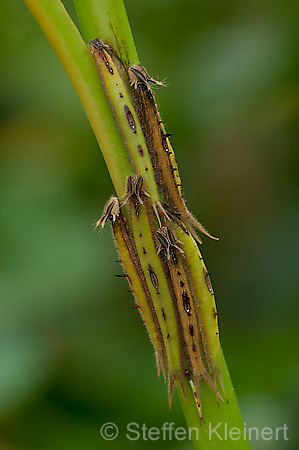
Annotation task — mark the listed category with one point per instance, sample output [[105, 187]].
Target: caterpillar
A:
[[136, 277], [205, 305], [161, 291], [162, 154], [194, 358]]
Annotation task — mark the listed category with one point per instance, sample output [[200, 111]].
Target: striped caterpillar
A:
[[162, 154], [195, 363], [136, 277]]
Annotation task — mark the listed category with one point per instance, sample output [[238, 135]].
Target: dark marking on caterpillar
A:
[[194, 347], [154, 278], [121, 95], [182, 284], [186, 303], [144, 251], [187, 373], [146, 168], [166, 135], [130, 118], [207, 280], [163, 314], [191, 330], [215, 313], [173, 257], [168, 336], [140, 149], [165, 146], [122, 275]]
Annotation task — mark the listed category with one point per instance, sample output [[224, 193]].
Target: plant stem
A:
[[224, 417], [108, 20], [79, 64]]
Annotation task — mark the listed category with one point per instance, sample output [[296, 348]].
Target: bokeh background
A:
[[73, 354]]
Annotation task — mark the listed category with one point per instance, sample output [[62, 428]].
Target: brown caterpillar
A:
[[197, 367], [136, 278], [162, 154]]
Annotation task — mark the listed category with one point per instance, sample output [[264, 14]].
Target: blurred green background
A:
[[73, 353]]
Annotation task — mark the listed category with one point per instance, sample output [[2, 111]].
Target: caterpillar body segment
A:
[[195, 364], [159, 288], [160, 149], [136, 278], [205, 305], [125, 115]]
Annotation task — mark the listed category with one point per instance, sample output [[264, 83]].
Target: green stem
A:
[[217, 416], [79, 64], [108, 20]]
